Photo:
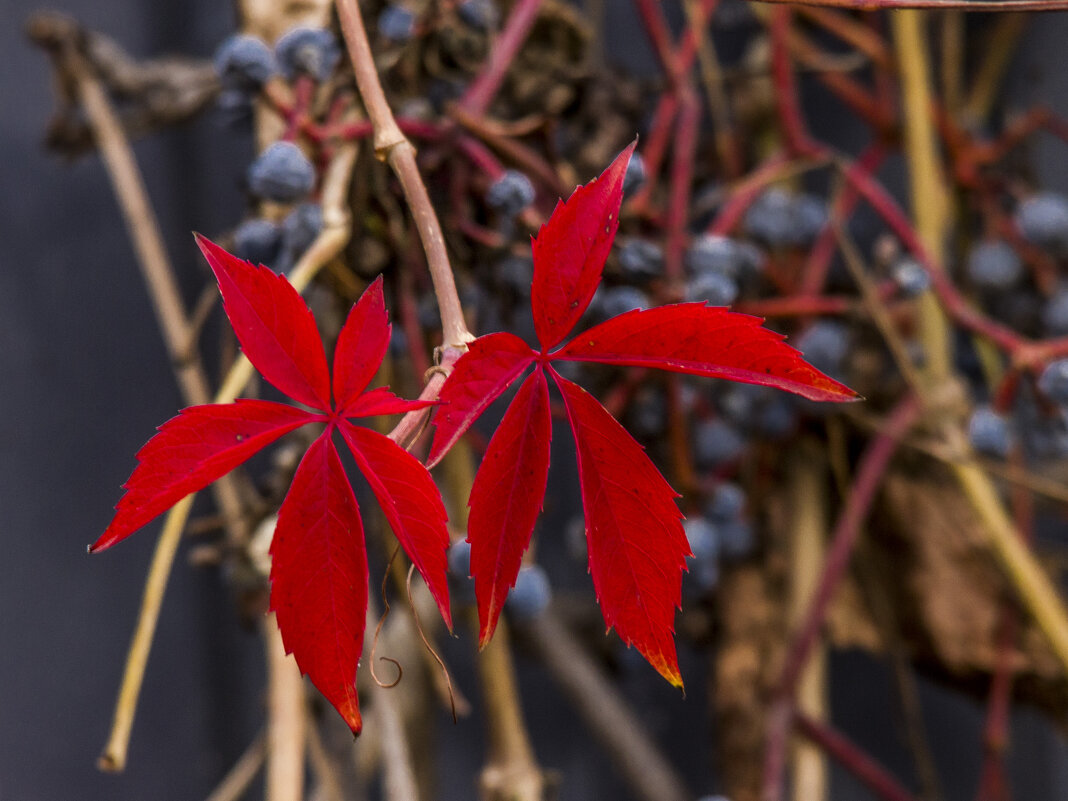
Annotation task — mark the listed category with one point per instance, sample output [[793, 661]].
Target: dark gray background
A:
[[85, 380]]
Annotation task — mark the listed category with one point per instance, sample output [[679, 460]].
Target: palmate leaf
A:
[[635, 540], [319, 567]]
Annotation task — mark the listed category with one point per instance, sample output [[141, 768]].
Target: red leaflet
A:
[[704, 340], [636, 544], [570, 250], [479, 376], [637, 548], [319, 577], [319, 570], [274, 326], [506, 498], [192, 450], [361, 345], [411, 502]]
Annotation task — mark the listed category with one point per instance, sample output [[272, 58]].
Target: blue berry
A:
[[396, 23], [736, 538], [713, 253], [1054, 381], [769, 218], [398, 342], [308, 51], [244, 63], [777, 417], [702, 576], [459, 557], [989, 432], [716, 443], [282, 173], [301, 226], [516, 273], [482, 15], [993, 264], [703, 539], [621, 299], [1055, 313], [714, 289], [257, 241], [782, 219], [1043, 219], [641, 260], [634, 177], [824, 345], [511, 193], [728, 503], [910, 277], [647, 414], [810, 216], [531, 594]]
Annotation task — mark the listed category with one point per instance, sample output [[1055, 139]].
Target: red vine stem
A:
[[870, 471], [849, 756], [480, 93]]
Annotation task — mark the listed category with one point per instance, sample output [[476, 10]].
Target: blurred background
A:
[[88, 379]]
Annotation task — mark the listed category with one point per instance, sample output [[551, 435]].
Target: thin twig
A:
[[393, 147], [808, 499], [286, 719], [869, 772], [648, 773], [870, 471], [113, 758], [240, 776]]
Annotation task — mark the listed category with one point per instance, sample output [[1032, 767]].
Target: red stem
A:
[[681, 183], [814, 274], [870, 471], [870, 773], [787, 101], [483, 89]]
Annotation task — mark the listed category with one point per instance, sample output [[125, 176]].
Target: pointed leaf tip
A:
[[570, 251], [274, 326]]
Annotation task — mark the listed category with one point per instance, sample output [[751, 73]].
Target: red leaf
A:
[[637, 548], [491, 363], [274, 326], [361, 345], [507, 497], [411, 502], [192, 450], [570, 251], [704, 340], [382, 401], [319, 577]]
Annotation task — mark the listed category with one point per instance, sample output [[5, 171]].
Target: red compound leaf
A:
[[319, 571], [319, 577], [704, 340], [274, 326], [637, 547], [192, 450], [411, 502], [507, 497], [570, 251]]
